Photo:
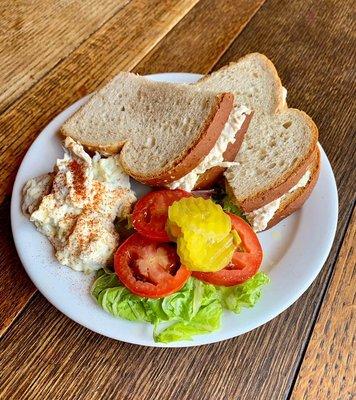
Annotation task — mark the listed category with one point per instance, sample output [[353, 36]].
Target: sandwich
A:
[[234, 121], [278, 163], [167, 135]]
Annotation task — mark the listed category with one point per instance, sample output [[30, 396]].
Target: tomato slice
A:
[[245, 261], [150, 213], [149, 268]]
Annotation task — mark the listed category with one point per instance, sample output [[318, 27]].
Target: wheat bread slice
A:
[[292, 202], [197, 151], [274, 155], [279, 143], [253, 80], [161, 130]]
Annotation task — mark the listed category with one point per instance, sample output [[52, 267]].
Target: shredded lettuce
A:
[[196, 309]]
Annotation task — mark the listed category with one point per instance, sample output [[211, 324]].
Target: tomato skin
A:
[[244, 264], [149, 268], [150, 213]]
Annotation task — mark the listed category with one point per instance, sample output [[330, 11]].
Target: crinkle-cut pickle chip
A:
[[205, 241], [199, 255], [200, 216]]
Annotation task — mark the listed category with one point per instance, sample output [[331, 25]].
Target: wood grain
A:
[[64, 360], [119, 44], [35, 35], [314, 49], [329, 365], [207, 30], [317, 73], [15, 287], [61, 87]]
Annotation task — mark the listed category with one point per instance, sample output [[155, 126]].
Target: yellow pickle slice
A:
[[202, 230]]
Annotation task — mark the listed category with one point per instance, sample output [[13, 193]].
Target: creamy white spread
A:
[[33, 192], [216, 155], [75, 207], [259, 218], [284, 96]]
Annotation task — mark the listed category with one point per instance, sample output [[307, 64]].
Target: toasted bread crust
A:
[[197, 152], [211, 175], [300, 197]]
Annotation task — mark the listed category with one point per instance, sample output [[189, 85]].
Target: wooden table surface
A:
[[54, 52]]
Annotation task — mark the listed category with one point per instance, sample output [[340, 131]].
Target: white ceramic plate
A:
[[295, 251]]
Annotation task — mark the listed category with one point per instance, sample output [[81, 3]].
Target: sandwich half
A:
[[166, 134], [278, 162]]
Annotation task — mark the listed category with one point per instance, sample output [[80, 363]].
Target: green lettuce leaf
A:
[[207, 319], [230, 207], [103, 281], [247, 294], [185, 304], [196, 309], [118, 300]]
